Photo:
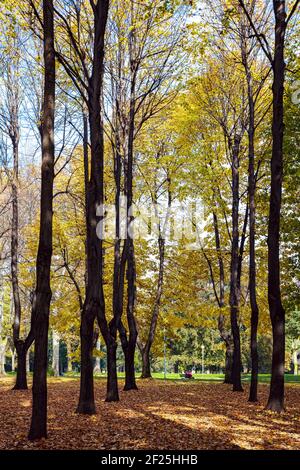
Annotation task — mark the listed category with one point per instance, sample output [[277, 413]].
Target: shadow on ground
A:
[[157, 416]]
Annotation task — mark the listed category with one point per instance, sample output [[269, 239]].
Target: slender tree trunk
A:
[[21, 379], [277, 313], [128, 344], [2, 357], [55, 354], [13, 361], [130, 382], [94, 305], [251, 195], [234, 290], [225, 335], [145, 351], [112, 381], [86, 180], [20, 345], [252, 260], [28, 361], [69, 351], [146, 369], [228, 363], [295, 361], [42, 297], [97, 367]]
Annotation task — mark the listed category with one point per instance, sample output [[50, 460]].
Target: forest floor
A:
[[160, 415]]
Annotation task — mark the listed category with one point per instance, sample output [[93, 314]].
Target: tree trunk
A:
[[69, 361], [97, 367], [127, 257], [42, 297], [252, 214], [21, 379], [295, 361], [228, 363], [128, 346], [145, 351], [28, 361], [146, 369], [225, 335], [234, 290], [130, 382], [94, 305], [55, 354], [112, 393], [13, 361], [86, 403], [277, 313], [20, 345], [2, 357]]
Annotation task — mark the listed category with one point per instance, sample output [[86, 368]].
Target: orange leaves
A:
[[161, 415]]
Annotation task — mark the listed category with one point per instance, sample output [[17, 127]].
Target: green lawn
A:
[[262, 378]]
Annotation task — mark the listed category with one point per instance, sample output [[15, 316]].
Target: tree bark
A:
[[277, 313], [130, 382], [234, 283], [2, 357], [127, 257], [146, 369], [69, 351], [295, 362], [55, 354], [42, 296], [228, 363], [94, 305], [225, 335], [13, 361], [252, 220], [97, 367]]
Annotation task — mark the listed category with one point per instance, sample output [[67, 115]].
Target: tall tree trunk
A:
[[94, 305], [225, 335], [69, 352], [130, 382], [2, 357], [145, 350], [21, 378], [234, 283], [13, 361], [20, 345], [146, 369], [28, 361], [251, 191], [55, 354], [42, 296], [277, 313], [228, 363], [128, 343], [295, 362], [97, 366], [86, 180]]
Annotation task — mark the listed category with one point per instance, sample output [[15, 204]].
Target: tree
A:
[[42, 295], [277, 312], [94, 302], [10, 115]]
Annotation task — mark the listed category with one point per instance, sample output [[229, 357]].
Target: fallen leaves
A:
[[161, 415]]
